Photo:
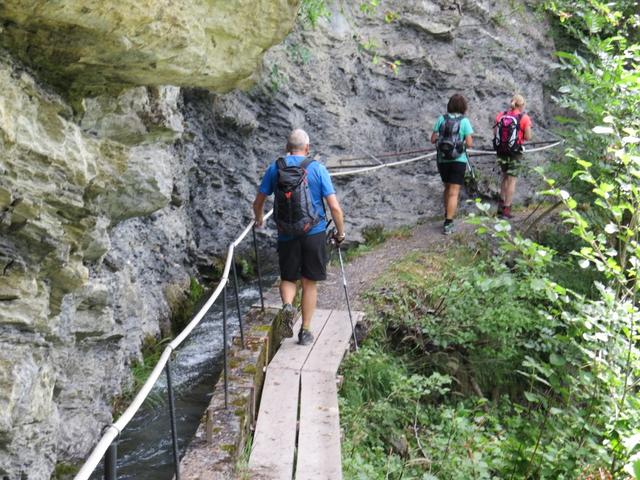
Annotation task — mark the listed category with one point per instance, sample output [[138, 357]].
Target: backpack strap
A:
[[519, 121], [455, 129], [281, 163], [306, 162]]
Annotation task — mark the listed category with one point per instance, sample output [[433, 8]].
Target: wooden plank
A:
[[290, 354], [274, 440], [330, 348], [319, 437]]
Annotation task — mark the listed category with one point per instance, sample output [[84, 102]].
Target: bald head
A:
[[298, 141]]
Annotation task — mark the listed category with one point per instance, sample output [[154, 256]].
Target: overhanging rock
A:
[[89, 48]]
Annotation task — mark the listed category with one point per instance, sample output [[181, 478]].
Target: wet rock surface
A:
[[104, 212]]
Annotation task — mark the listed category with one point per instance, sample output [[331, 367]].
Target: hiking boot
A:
[[305, 337], [285, 320], [505, 212], [447, 229]]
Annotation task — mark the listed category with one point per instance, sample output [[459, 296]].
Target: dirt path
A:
[[363, 271]]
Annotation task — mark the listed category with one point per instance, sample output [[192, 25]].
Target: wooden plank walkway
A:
[[298, 425]]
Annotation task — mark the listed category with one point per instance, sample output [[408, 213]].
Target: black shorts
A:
[[452, 172], [303, 257]]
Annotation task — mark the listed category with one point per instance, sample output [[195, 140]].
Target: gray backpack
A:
[[449, 145]]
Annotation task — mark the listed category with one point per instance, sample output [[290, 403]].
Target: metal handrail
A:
[[112, 431]]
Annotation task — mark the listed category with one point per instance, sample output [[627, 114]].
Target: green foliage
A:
[[487, 372], [141, 368], [369, 7], [277, 79], [64, 471], [242, 461], [374, 234], [559, 238], [313, 10], [151, 351], [299, 54]]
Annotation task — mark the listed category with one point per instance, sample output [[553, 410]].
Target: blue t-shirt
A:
[[320, 186], [465, 129]]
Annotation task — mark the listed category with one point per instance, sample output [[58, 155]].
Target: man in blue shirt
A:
[[302, 257]]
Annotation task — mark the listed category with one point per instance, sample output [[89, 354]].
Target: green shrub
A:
[[313, 10]]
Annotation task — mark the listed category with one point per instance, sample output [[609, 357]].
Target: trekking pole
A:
[[473, 183], [346, 295], [344, 283]]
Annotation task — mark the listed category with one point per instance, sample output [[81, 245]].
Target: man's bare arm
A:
[[258, 209], [336, 214]]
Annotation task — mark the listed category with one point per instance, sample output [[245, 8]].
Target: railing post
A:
[[255, 248], [110, 461], [224, 339], [235, 282], [172, 415]]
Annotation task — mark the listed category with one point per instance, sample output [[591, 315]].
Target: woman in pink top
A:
[[511, 163]]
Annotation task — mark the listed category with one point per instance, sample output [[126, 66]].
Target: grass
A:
[[424, 367], [152, 347], [150, 352], [64, 471], [242, 461], [374, 236], [311, 11]]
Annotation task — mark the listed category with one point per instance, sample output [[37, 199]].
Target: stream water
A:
[[144, 448]]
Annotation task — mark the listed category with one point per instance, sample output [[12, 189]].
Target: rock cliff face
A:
[[107, 206], [89, 48]]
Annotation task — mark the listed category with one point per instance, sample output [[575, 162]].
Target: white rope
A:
[[527, 150], [114, 430], [356, 171]]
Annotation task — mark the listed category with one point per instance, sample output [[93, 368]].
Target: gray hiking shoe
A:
[[305, 337], [285, 320], [448, 228]]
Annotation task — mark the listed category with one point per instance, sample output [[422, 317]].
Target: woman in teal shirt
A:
[[452, 136]]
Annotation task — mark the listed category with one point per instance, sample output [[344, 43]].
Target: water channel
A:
[[144, 448]]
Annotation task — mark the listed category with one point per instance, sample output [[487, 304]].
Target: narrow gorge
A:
[[132, 138]]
